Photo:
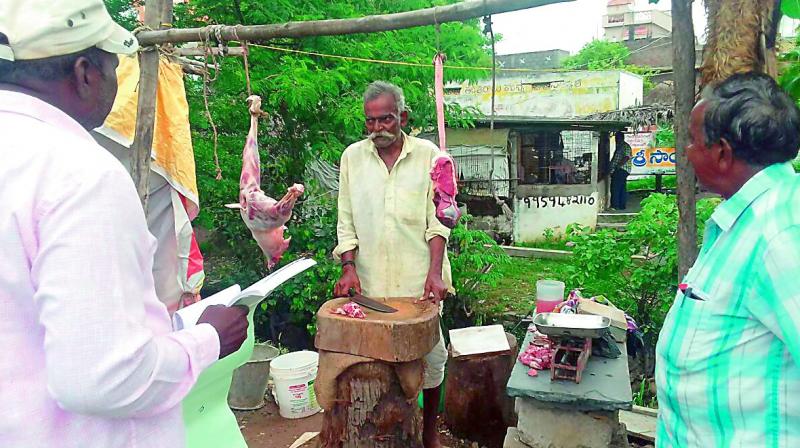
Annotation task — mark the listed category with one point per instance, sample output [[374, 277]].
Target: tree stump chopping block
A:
[[476, 405], [406, 335], [370, 373], [372, 411]]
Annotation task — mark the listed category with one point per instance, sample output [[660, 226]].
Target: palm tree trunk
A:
[[741, 38]]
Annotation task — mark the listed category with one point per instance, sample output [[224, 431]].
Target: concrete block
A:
[[542, 425], [512, 439]]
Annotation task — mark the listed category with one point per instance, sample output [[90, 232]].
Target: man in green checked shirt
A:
[[728, 357]]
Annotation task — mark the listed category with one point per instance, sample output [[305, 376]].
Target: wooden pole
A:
[[156, 13], [683, 60], [232, 51], [458, 12]]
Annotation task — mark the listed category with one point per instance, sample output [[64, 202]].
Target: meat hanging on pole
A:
[[263, 215], [443, 169]]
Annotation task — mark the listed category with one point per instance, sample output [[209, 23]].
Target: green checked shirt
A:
[[727, 366]]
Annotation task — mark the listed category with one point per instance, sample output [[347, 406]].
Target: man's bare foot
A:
[[431, 440]]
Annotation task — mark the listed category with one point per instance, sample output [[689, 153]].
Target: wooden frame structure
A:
[[683, 65], [158, 18]]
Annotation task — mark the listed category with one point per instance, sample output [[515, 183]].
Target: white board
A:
[[478, 340]]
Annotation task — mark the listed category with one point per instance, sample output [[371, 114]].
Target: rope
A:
[[418, 64], [139, 29], [438, 29], [245, 53], [247, 68], [206, 81], [403, 63]]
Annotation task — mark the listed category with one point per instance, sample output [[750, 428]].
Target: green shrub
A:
[[603, 261], [477, 263]]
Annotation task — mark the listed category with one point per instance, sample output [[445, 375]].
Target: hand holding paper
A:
[[249, 298], [230, 323]]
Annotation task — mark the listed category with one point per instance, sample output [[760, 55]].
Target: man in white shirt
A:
[[390, 242], [89, 359]]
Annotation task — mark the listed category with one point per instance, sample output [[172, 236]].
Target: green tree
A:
[[599, 55], [604, 55], [315, 110], [123, 12]]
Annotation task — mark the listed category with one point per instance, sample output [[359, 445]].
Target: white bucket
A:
[[293, 375]]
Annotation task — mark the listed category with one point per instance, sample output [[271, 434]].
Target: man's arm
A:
[[347, 245], [435, 288], [776, 304], [436, 234], [345, 228], [109, 349]]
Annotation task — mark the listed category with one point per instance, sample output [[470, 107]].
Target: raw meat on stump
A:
[[264, 216]]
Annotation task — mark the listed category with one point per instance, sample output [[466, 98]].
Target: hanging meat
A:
[[263, 215], [443, 169], [443, 175]]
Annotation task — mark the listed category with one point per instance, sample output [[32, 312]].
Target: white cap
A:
[[38, 29]]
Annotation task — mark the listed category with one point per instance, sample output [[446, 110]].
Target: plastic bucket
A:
[[249, 384], [293, 376], [549, 293]]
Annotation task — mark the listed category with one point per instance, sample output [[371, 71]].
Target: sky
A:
[[567, 26]]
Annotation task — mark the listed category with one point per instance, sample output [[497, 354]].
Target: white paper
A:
[[262, 288], [478, 340], [250, 297]]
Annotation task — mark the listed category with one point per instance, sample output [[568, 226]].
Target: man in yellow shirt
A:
[[390, 242]]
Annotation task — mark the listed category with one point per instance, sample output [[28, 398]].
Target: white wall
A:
[[631, 90], [549, 94], [533, 215]]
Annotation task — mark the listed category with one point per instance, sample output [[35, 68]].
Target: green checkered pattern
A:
[[727, 366], [619, 154]]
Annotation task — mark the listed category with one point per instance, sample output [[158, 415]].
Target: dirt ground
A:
[[265, 428]]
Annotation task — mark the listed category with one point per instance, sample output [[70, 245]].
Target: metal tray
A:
[[571, 325]]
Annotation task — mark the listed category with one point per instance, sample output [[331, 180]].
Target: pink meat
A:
[[538, 355], [445, 189], [263, 215], [443, 169], [350, 309]]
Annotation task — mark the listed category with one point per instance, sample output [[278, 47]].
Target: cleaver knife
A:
[[370, 303]]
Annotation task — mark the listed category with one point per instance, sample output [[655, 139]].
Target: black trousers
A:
[[619, 193]]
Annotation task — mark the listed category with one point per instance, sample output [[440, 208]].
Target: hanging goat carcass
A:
[[263, 215]]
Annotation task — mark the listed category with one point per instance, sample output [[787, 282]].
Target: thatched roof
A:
[[661, 93], [639, 116]]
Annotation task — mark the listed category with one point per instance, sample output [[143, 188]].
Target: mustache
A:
[[374, 135]]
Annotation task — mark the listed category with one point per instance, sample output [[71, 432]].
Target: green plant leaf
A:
[[791, 8]]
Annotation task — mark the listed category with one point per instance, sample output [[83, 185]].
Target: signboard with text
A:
[[648, 160]]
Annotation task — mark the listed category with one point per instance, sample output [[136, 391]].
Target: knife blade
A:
[[370, 303]]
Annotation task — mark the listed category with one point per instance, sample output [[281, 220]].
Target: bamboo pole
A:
[[685, 80], [458, 12]]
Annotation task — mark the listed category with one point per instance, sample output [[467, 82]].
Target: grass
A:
[[551, 245], [516, 290], [649, 183]]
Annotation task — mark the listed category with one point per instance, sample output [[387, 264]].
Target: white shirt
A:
[[389, 217], [88, 357]]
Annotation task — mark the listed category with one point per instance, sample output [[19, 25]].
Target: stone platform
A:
[[565, 414]]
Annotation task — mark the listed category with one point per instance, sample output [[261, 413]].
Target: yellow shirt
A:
[[389, 217]]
